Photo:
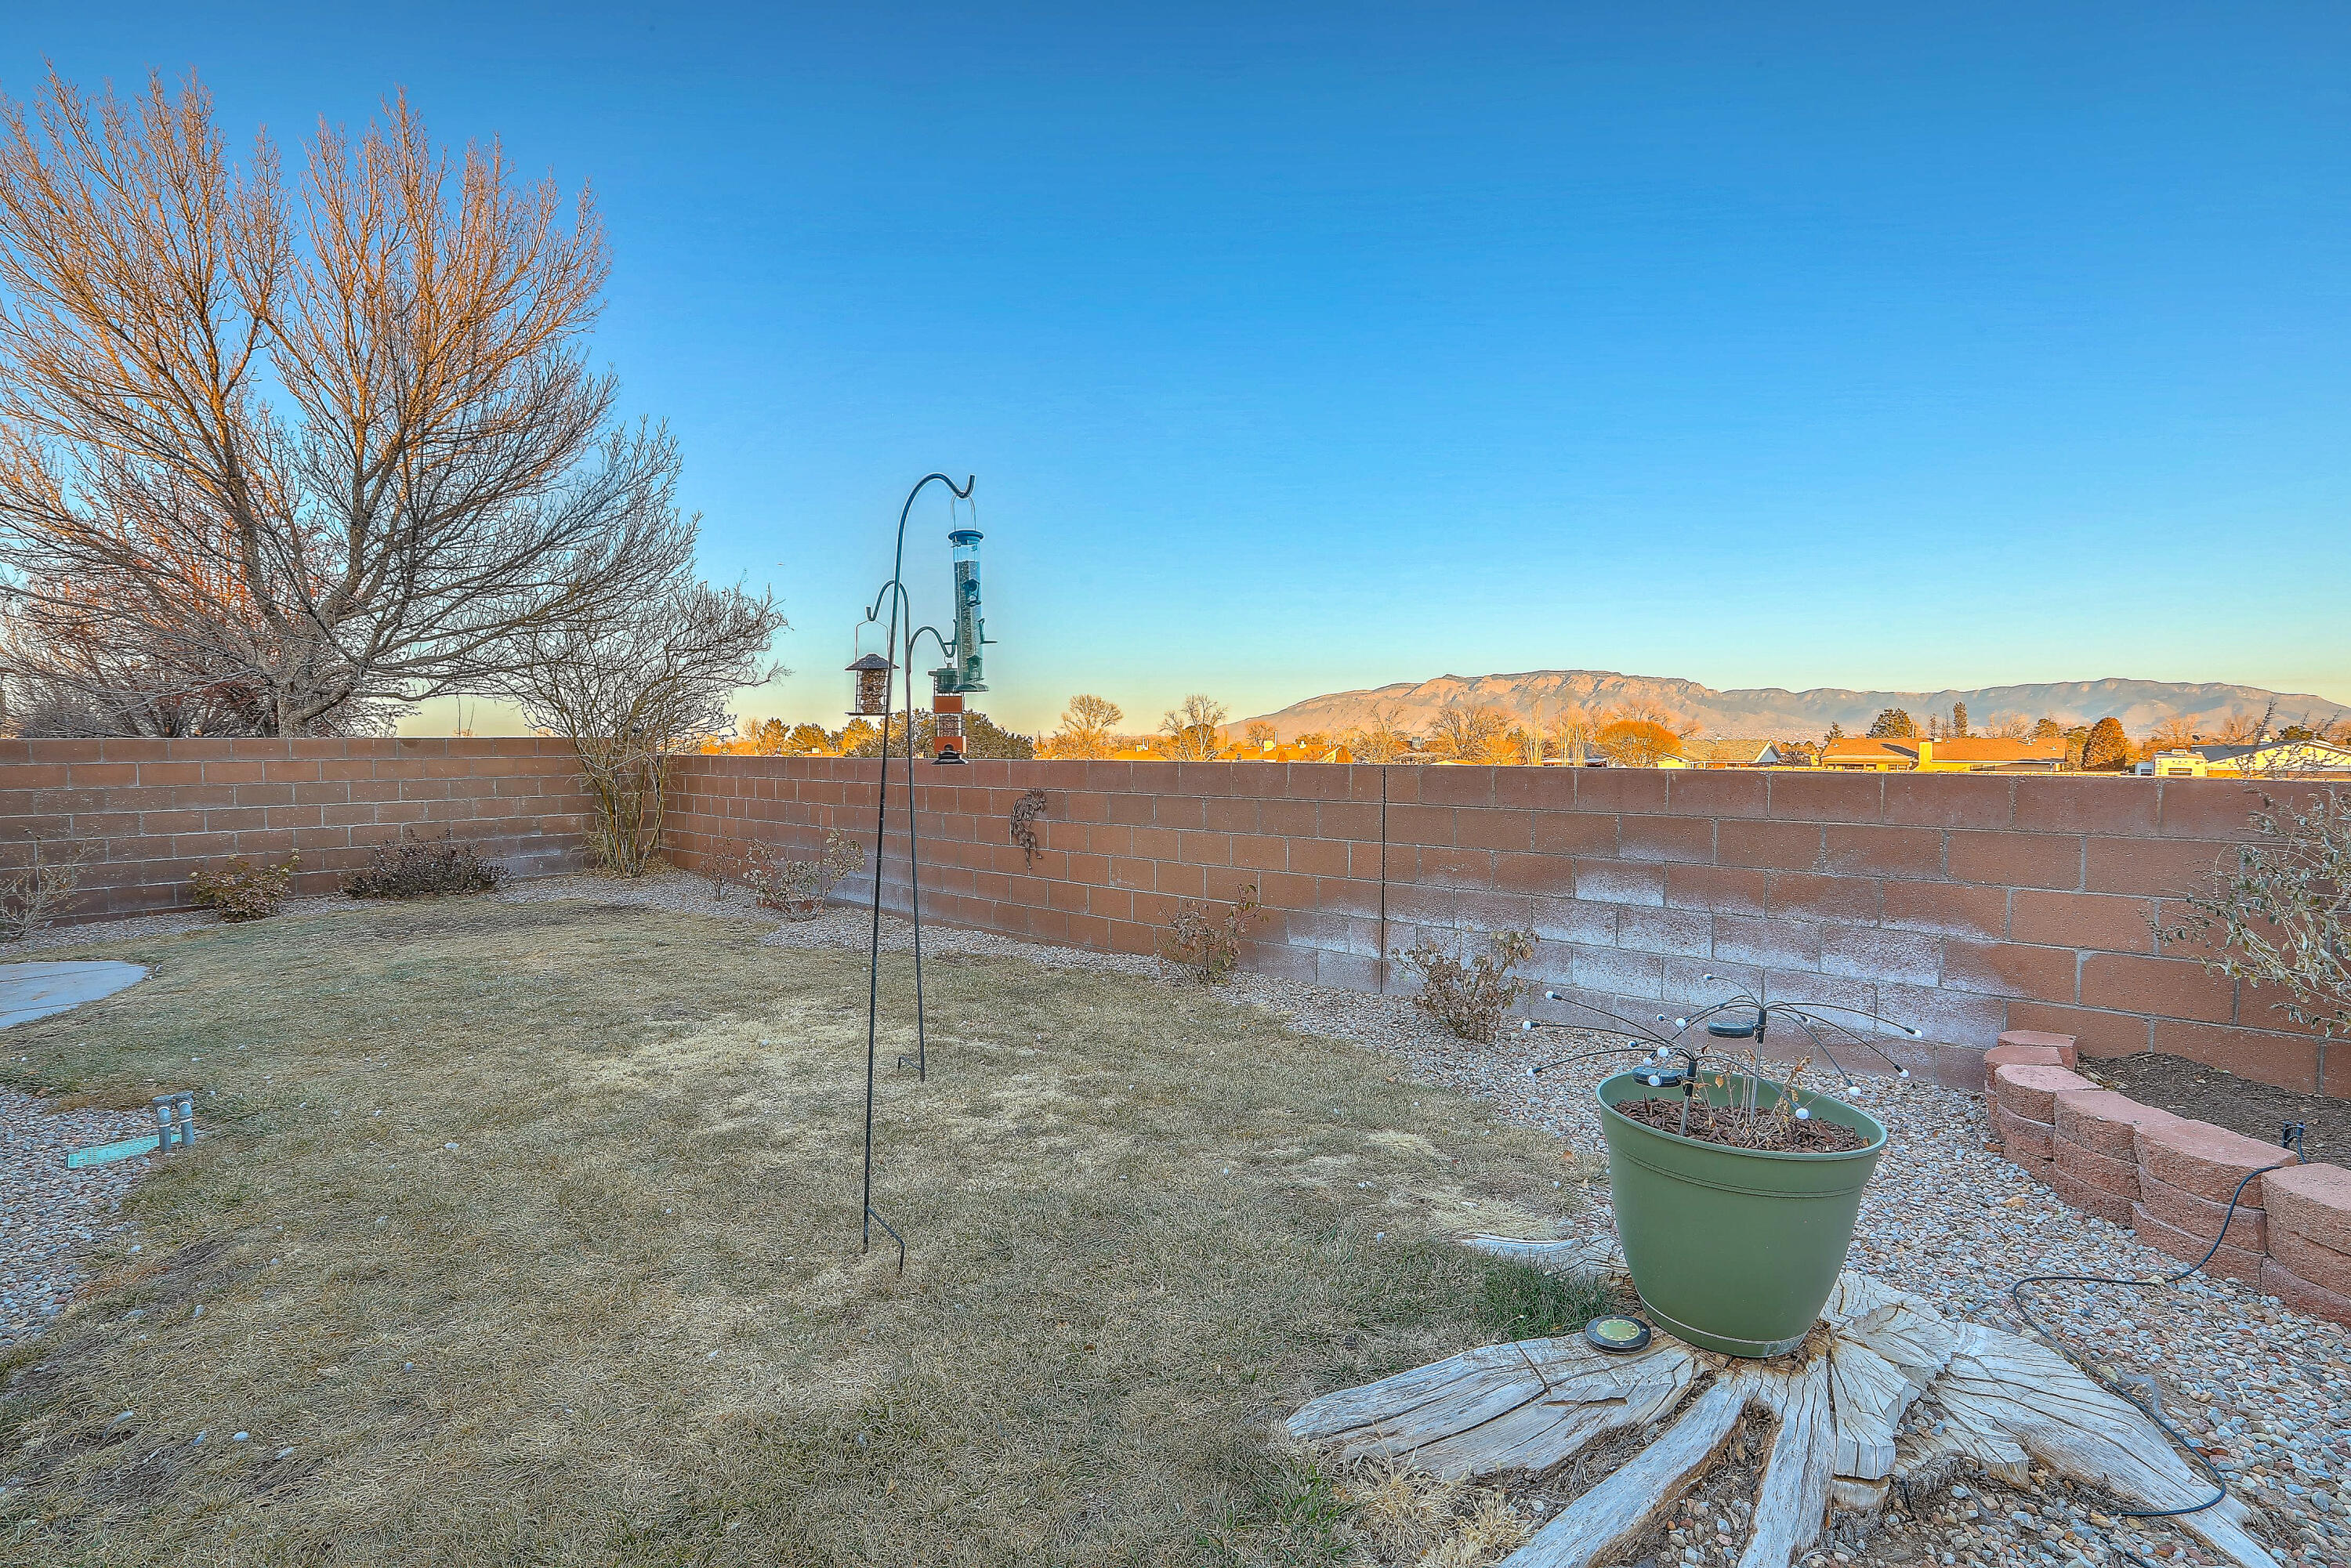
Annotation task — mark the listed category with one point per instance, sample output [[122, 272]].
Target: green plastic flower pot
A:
[[1734, 1249]]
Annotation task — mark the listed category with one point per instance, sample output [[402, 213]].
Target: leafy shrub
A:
[[1469, 992], [1204, 941], [2281, 917], [33, 894], [410, 867], [243, 891], [799, 887]]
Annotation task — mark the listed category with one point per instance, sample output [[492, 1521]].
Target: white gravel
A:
[[47, 1213], [2264, 1390]]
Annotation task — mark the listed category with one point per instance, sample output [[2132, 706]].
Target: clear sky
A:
[[1303, 348]]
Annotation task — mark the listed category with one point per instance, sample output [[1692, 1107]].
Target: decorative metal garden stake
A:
[[962, 656]]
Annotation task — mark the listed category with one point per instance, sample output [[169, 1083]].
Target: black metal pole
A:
[[895, 591]]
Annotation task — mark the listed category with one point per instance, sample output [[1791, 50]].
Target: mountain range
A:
[[1776, 712]]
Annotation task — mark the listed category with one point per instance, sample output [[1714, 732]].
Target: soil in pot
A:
[[1736, 1127]]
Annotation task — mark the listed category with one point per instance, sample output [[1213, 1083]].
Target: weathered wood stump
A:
[[1886, 1390]]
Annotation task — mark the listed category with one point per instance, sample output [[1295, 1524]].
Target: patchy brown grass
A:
[[626, 1320]]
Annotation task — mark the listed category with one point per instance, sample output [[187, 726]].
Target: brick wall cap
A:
[[2043, 1040], [2104, 1121], [2000, 1056], [2032, 1091], [2313, 1201], [2207, 1161]]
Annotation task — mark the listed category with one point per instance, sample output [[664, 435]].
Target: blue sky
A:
[[1301, 347]]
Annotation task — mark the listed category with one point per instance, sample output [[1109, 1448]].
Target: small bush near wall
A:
[[243, 891], [1466, 991], [1204, 941], [37, 891], [410, 867]]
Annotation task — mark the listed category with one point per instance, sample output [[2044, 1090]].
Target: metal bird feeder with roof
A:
[[872, 693]]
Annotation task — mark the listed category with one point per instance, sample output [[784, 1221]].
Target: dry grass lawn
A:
[[625, 1319]]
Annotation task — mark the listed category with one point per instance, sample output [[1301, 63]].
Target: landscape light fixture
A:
[[1616, 1334]]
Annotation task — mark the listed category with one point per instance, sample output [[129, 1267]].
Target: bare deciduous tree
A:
[[1382, 737], [1465, 732], [1192, 729], [269, 460], [1571, 732], [1086, 728], [630, 686]]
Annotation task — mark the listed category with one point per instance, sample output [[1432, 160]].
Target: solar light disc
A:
[[1616, 1334]]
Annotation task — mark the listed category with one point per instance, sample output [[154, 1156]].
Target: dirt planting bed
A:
[[2204, 1093]]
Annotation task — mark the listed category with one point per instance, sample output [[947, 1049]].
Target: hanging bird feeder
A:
[[873, 689]]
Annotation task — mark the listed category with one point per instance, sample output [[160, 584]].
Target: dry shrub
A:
[[243, 891], [36, 893], [410, 867], [1204, 941], [1464, 987], [798, 887]]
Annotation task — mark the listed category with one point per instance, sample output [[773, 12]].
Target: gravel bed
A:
[[47, 1213], [2265, 1391]]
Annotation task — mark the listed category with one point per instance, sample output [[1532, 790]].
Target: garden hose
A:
[[2146, 1408]]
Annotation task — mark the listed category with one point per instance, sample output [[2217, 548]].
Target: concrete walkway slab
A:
[[29, 991]]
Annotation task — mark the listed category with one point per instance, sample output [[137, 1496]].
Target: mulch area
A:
[[2191, 1088]]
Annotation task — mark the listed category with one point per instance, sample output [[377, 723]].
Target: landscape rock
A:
[[2023, 1138], [2113, 1208], [2200, 1217], [2302, 1295], [2106, 1122], [2230, 1262], [2313, 1201], [2207, 1161], [2032, 1091], [2321, 1265], [2117, 1178]]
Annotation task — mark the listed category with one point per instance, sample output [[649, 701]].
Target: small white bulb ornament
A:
[[1803, 1115]]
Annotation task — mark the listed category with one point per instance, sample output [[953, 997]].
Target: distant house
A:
[[1717, 752], [2258, 758], [1963, 753]]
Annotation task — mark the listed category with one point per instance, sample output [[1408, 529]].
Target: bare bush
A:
[[413, 867], [798, 888], [243, 891], [33, 894], [283, 456], [632, 686], [1203, 942], [2282, 916], [1465, 984]]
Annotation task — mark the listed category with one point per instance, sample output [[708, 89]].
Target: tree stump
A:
[[1884, 1391]]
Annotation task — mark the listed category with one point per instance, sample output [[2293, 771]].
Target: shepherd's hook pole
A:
[[895, 592]]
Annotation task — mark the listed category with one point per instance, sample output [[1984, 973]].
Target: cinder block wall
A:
[[151, 812], [1962, 905]]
